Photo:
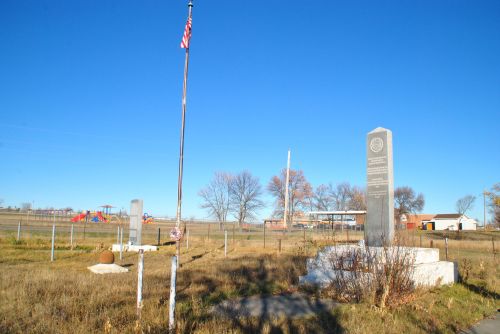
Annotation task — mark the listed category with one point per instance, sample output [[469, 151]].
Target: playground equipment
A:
[[93, 216], [147, 219]]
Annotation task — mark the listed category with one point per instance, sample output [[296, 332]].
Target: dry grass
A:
[[64, 297]]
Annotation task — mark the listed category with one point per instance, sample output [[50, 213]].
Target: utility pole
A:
[[285, 214]]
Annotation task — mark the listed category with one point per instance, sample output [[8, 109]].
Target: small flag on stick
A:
[[187, 35]]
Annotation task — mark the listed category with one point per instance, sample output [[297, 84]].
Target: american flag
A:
[[187, 35]]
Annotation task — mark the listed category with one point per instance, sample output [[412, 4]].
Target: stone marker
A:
[[379, 226], [135, 231]]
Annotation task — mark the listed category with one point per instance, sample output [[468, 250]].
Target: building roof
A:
[[448, 216]]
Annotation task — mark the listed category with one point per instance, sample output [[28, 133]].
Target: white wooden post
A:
[[53, 241], [140, 270], [19, 231], [171, 310], [225, 243]]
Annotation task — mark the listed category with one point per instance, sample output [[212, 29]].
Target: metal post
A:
[[121, 243], [158, 243], [71, 237], [53, 242], [264, 234], [118, 234], [19, 231], [421, 241], [446, 247], [493, 246], [432, 243], [140, 270], [171, 311], [279, 245], [287, 180], [225, 243]]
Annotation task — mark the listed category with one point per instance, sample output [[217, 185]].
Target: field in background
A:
[[39, 296]]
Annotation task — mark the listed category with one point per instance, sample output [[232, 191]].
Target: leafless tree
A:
[[406, 201], [340, 195], [300, 192], [245, 193], [357, 199], [216, 196], [25, 206], [494, 203], [322, 199], [465, 204], [1, 202]]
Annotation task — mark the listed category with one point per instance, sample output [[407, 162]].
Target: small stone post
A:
[[140, 270], [171, 310], [53, 242]]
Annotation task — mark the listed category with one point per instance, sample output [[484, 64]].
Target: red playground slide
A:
[[101, 218], [78, 218]]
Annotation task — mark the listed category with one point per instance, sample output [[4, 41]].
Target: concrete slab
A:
[[487, 326], [107, 269]]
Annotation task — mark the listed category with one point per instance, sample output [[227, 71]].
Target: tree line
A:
[[240, 196]]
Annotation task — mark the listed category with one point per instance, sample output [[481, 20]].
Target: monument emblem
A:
[[376, 144]]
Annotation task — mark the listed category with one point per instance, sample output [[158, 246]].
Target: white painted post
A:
[[140, 270], [19, 231], [118, 235], [446, 245], [71, 238], [121, 243], [225, 243], [171, 310], [53, 241]]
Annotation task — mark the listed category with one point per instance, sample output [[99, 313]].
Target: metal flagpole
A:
[[177, 233], [285, 214]]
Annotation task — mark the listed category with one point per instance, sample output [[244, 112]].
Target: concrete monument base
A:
[[107, 269], [427, 269], [134, 248]]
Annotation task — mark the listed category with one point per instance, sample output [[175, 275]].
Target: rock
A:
[[106, 257]]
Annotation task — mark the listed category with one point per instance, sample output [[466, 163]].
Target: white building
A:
[[450, 221]]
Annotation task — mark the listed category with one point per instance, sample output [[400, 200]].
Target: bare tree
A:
[[357, 199], [340, 195], [245, 192], [1, 202], [406, 201], [494, 203], [25, 206], [216, 196], [322, 199], [300, 191], [465, 204]]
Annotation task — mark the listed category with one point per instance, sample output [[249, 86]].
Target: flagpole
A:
[[181, 150], [176, 259]]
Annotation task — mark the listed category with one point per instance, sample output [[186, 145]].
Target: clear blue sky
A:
[[90, 96]]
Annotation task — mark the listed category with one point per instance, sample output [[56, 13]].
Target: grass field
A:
[[39, 296]]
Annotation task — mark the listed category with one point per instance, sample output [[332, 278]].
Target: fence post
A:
[[118, 235], [209, 232], [264, 234], [279, 245], [140, 270], [225, 243], [53, 242], [421, 241], [493, 246], [171, 310], [446, 247], [121, 243], [432, 243], [187, 239], [19, 231], [233, 232], [71, 237], [159, 235]]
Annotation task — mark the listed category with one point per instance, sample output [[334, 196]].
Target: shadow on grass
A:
[[260, 277]]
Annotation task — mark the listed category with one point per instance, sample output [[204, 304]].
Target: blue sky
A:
[[90, 97]]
